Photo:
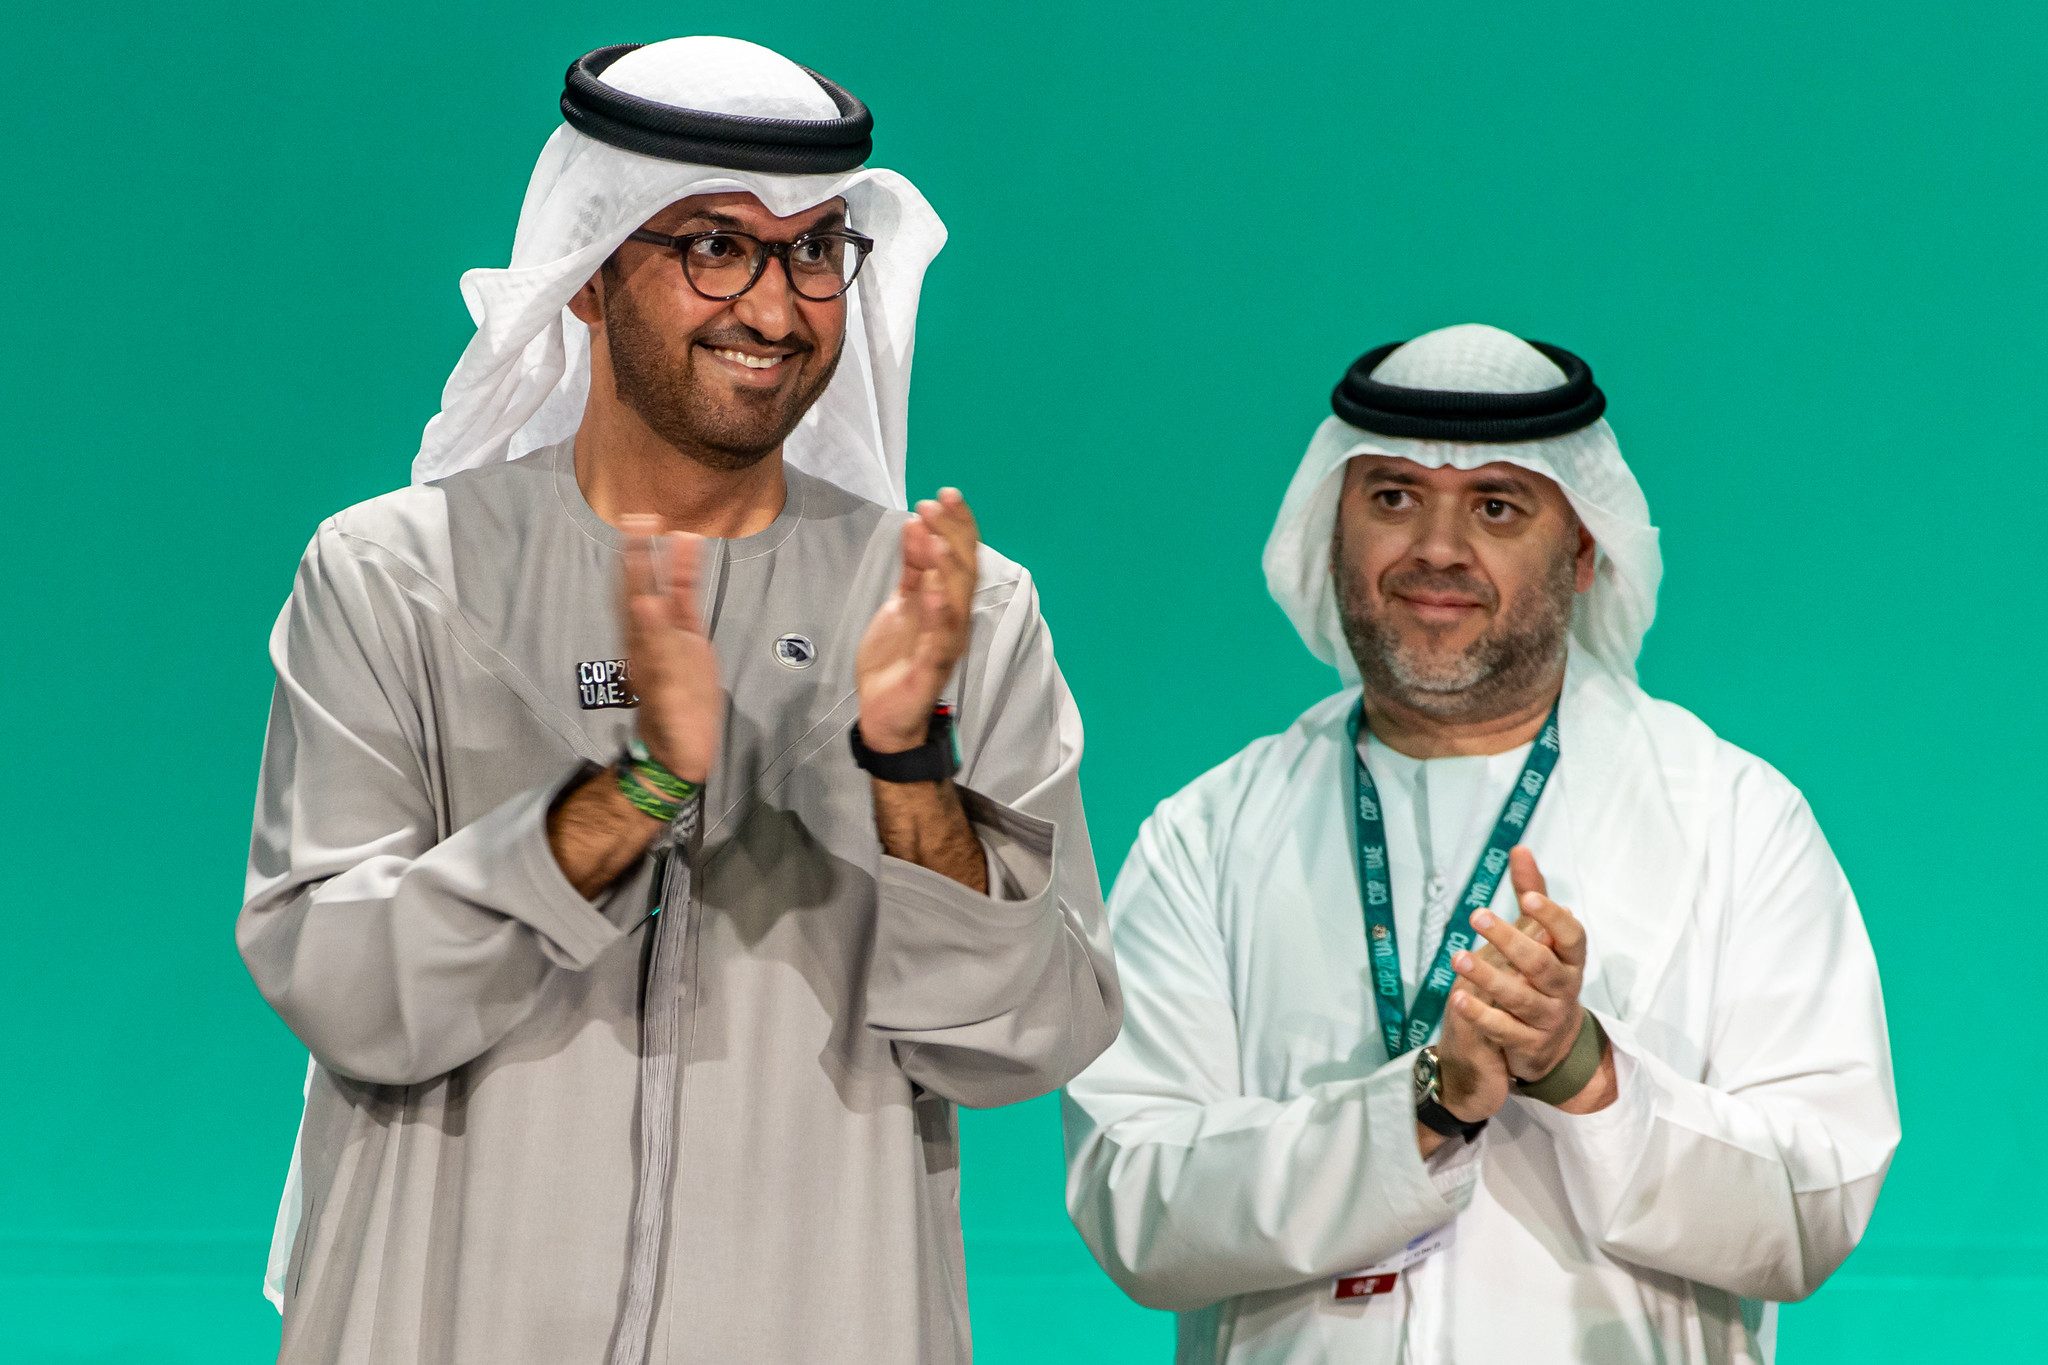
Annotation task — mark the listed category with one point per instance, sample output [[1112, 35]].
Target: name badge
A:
[[1381, 1278]]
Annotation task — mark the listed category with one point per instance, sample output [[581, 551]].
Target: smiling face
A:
[[724, 382], [1456, 586]]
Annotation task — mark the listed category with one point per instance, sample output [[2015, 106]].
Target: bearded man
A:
[[659, 834], [1380, 1095]]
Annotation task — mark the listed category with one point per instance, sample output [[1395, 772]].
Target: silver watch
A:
[[1429, 1107]]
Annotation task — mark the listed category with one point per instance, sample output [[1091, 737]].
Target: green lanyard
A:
[[1405, 1030]]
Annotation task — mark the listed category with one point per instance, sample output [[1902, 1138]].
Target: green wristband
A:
[[1576, 1071], [651, 771], [646, 802]]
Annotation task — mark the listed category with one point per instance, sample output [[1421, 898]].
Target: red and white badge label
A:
[[1381, 1278], [1363, 1286]]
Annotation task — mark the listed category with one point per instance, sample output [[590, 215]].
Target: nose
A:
[[770, 306], [1440, 540]]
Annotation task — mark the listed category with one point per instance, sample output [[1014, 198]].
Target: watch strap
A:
[[1431, 1114], [935, 760], [1576, 1071]]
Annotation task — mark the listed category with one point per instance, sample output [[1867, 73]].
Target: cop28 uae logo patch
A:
[[604, 682]]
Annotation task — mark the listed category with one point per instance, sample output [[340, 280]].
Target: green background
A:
[[1802, 251]]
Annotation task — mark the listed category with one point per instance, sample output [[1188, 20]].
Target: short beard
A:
[[1492, 676], [655, 377]]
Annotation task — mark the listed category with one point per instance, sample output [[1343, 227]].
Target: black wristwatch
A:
[[935, 760], [1429, 1109]]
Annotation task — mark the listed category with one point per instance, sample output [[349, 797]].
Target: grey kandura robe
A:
[[471, 1138]]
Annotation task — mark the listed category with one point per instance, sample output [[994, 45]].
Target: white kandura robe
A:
[[1246, 1138]]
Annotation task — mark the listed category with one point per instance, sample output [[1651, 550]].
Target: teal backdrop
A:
[[1801, 245]]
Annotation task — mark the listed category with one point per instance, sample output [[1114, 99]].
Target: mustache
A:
[[736, 334], [1416, 581]]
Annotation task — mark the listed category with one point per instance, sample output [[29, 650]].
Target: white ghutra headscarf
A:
[[521, 382], [1608, 621]]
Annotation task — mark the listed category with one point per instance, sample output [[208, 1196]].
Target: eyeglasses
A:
[[724, 265]]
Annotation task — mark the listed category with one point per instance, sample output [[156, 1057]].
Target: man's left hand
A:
[[918, 635], [1523, 994]]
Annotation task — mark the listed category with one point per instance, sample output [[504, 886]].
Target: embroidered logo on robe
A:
[[604, 682], [795, 651]]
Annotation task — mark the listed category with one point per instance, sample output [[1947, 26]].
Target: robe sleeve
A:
[[1189, 1191], [394, 955], [989, 1000], [1760, 1178]]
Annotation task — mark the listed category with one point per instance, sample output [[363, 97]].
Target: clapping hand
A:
[[670, 663], [1522, 992], [919, 634]]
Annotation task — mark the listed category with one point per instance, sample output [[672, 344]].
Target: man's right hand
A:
[[1473, 1080], [594, 832], [669, 658]]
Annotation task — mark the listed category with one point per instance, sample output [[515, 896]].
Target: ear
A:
[[1587, 557], [587, 304]]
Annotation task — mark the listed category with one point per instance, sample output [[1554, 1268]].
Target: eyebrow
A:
[[713, 217], [1493, 484], [834, 219]]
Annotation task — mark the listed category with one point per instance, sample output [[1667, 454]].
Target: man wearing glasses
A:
[[658, 836]]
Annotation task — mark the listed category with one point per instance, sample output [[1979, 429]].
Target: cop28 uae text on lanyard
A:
[[1404, 1030]]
